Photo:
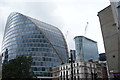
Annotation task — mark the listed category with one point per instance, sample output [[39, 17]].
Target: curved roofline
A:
[[34, 19], [29, 18], [13, 13]]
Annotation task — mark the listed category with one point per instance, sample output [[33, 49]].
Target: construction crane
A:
[[86, 29], [66, 34], [81, 47]]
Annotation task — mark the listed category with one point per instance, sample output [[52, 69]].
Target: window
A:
[[35, 68], [64, 73], [61, 73], [43, 68], [44, 41], [66, 67], [77, 71], [61, 69], [74, 71], [33, 49], [74, 65], [74, 77], [41, 63], [67, 75], [43, 59], [42, 45], [77, 64], [113, 56], [78, 78]]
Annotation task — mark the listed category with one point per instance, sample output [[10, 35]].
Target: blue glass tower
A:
[[86, 49], [27, 36]]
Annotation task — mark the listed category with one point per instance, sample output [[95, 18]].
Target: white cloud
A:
[[67, 15]]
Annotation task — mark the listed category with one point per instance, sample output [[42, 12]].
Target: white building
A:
[[81, 70]]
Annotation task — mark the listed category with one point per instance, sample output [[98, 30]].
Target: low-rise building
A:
[[81, 70], [103, 62]]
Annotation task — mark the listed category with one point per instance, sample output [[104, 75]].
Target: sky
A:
[[70, 16]]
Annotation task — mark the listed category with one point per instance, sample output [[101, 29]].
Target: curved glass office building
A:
[[30, 37]]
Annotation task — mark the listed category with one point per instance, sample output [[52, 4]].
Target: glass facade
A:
[[86, 49], [45, 43]]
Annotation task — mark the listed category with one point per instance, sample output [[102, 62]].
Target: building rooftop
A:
[[86, 38]]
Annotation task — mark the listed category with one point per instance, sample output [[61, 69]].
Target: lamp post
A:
[[85, 71], [91, 71], [71, 61]]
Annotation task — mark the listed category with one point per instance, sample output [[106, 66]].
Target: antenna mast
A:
[[82, 43]]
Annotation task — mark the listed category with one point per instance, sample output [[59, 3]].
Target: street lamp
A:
[[85, 71], [71, 61]]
